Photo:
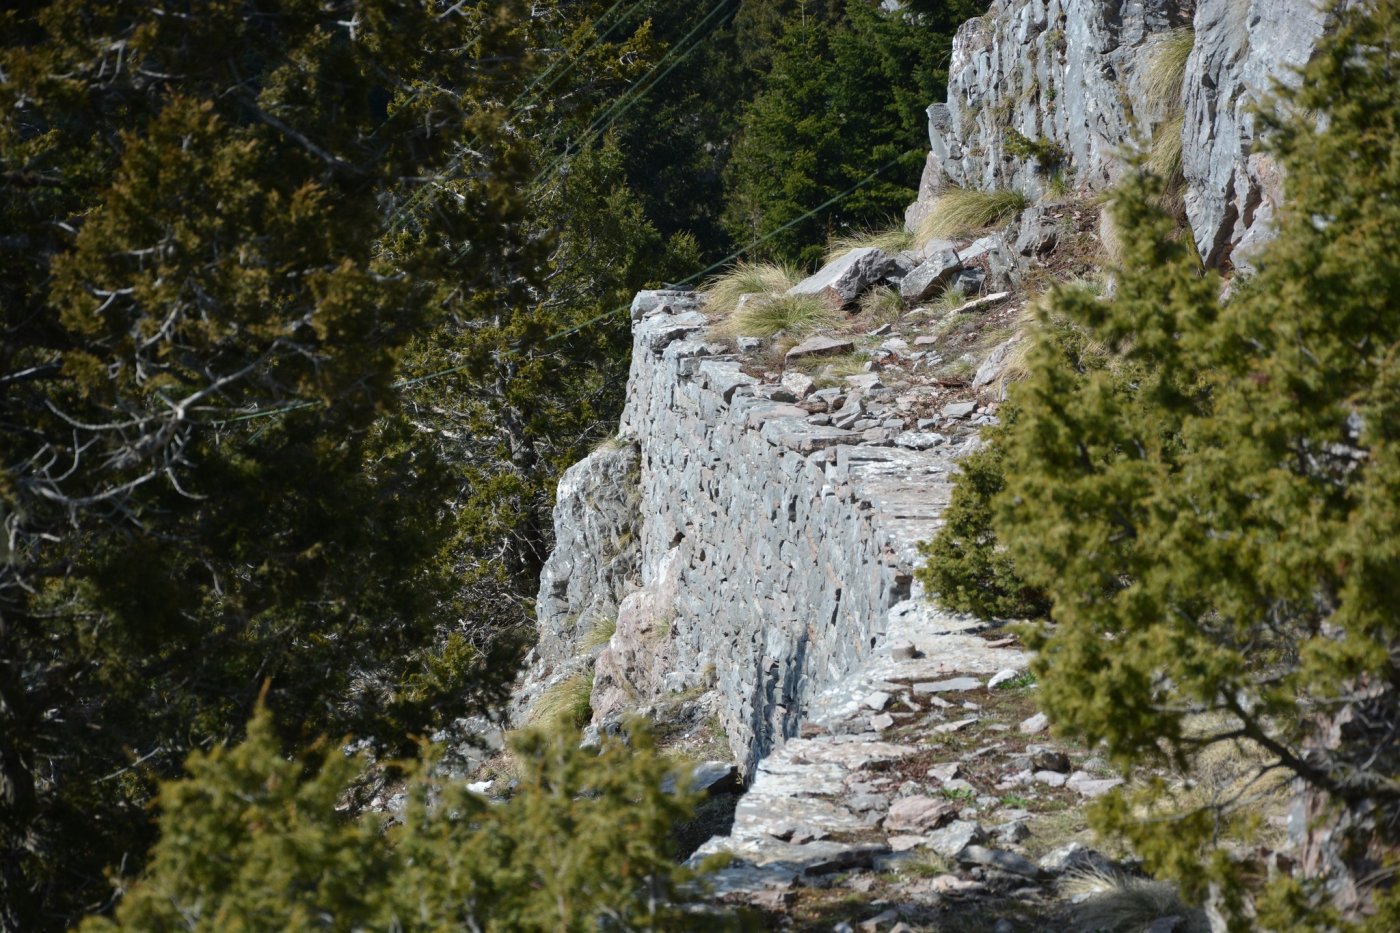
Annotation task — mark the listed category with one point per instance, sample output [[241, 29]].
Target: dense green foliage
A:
[[306, 305], [253, 841], [845, 96], [231, 239], [1209, 500]]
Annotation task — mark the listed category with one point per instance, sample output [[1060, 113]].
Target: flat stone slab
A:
[[1086, 786], [953, 838], [647, 302], [948, 686], [999, 859], [805, 437], [918, 814], [813, 858], [779, 817], [820, 345], [853, 756], [741, 879], [723, 378], [843, 280], [762, 414], [933, 272]]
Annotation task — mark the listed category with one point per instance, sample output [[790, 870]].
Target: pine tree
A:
[[1210, 503], [844, 96], [252, 840], [230, 229]]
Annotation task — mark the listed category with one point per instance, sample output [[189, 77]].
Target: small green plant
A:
[[1046, 154], [794, 315], [1020, 681], [1015, 801], [722, 292], [253, 840], [1166, 67], [1059, 184], [893, 238], [958, 793], [965, 210]]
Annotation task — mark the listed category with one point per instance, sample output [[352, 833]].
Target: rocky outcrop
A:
[[1063, 74], [733, 542], [772, 548], [1242, 47], [1052, 95], [595, 555]]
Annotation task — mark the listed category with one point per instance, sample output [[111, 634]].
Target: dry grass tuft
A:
[[1166, 67], [949, 300], [793, 315], [1164, 158], [830, 371], [892, 239], [566, 704], [599, 633], [927, 863], [881, 306], [1110, 902], [722, 292], [1235, 777], [611, 443], [966, 210]]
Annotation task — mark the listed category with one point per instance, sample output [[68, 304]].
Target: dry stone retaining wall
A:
[[770, 549]]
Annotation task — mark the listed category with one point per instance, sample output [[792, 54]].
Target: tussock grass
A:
[[1110, 238], [830, 371], [1110, 902], [599, 633], [1029, 325], [1166, 67], [955, 323], [566, 704], [794, 315], [1235, 777], [881, 305], [949, 300], [927, 863], [966, 210], [722, 292], [1164, 157], [611, 443], [892, 239]]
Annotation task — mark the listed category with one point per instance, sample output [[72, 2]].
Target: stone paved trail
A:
[[913, 784]]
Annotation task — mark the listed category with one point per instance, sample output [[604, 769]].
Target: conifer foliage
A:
[[253, 841], [231, 229], [1209, 501], [844, 96]]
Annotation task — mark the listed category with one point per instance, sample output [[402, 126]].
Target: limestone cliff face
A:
[[771, 550], [1071, 75], [750, 552], [1241, 48]]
